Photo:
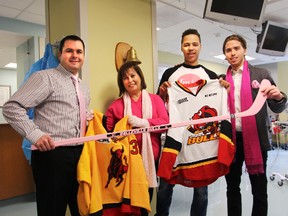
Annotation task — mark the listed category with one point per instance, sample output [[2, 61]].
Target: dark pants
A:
[[144, 212], [55, 176], [164, 199], [258, 184]]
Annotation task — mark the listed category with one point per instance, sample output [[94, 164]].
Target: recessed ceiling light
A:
[[220, 57], [11, 65], [249, 58]]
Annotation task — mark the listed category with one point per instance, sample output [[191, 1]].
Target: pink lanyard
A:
[[81, 105]]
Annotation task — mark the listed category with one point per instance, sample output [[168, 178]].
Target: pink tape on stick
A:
[[254, 109]]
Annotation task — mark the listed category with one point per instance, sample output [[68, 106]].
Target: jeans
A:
[[164, 199], [258, 185]]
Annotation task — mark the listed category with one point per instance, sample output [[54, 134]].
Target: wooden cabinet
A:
[[15, 171]]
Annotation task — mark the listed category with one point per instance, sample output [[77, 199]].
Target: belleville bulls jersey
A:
[[111, 175], [196, 155]]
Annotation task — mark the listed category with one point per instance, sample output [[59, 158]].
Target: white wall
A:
[[8, 77]]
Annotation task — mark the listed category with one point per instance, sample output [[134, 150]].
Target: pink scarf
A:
[[251, 144]]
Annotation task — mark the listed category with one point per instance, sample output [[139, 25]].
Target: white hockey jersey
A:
[[196, 155]]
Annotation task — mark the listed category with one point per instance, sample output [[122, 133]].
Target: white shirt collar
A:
[[240, 70]]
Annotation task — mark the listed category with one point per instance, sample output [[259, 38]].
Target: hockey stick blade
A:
[[258, 102]]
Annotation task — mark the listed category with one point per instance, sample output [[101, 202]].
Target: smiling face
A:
[[190, 48], [72, 56], [132, 82], [234, 53]]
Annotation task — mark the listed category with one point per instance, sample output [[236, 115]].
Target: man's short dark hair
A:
[[234, 37], [190, 31], [70, 37]]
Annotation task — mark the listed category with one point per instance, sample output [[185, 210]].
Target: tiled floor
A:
[[278, 195]]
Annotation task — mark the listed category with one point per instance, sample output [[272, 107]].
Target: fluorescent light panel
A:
[[11, 65], [248, 58]]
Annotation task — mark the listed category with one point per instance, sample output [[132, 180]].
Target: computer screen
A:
[[273, 39], [235, 12]]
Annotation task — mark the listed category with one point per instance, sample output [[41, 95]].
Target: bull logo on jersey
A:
[[117, 168], [204, 131], [191, 83]]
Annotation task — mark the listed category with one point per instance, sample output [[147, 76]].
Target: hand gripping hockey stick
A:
[[254, 109]]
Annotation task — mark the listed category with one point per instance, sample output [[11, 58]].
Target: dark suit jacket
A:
[[262, 117]]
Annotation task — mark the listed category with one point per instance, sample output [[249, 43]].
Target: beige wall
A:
[[169, 58], [62, 18], [283, 76], [110, 22]]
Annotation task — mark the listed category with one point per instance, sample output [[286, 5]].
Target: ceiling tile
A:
[[9, 12], [16, 4], [32, 17]]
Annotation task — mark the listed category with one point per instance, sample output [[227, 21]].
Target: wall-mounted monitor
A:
[[273, 39], [235, 12]]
